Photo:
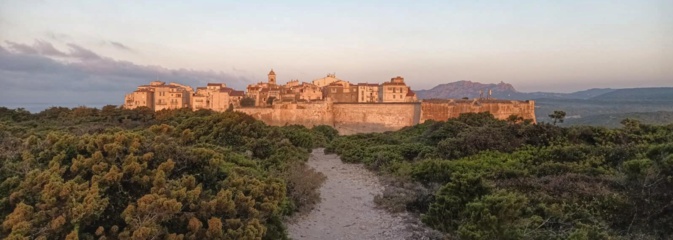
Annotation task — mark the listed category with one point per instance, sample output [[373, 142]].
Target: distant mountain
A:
[[638, 94], [590, 93], [502, 90], [468, 89]]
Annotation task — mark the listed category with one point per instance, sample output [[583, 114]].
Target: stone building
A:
[[368, 93], [236, 96], [292, 83], [263, 91], [159, 96], [272, 77], [341, 91], [170, 96], [216, 97], [323, 82], [139, 98], [394, 91], [308, 92]]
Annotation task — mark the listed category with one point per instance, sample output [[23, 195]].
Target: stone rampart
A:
[[351, 118], [307, 114], [443, 109]]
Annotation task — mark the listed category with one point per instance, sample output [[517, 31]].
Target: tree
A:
[[558, 116], [247, 102], [230, 108]]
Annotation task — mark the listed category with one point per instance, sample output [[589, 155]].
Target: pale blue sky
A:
[[557, 46]]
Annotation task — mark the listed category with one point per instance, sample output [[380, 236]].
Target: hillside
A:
[[615, 119], [638, 94]]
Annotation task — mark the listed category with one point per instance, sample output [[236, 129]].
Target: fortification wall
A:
[[351, 118], [307, 114], [441, 110]]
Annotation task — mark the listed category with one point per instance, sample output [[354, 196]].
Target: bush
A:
[[303, 185]]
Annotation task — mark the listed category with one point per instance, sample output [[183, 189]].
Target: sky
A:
[[92, 52]]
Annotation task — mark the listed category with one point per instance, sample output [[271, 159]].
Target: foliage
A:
[[510, 179], [134, 174], [557, 116]]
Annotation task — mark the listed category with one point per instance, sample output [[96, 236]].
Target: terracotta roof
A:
[[271, 72], [368, 84], [392, 83], [226, 89], [237, 93], [411, 93], [216, 84], [335, 84]]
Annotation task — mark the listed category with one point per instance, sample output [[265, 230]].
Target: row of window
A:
[[161, 94], [395, 90]]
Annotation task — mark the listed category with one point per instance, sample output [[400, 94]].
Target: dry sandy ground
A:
[[347, 209]]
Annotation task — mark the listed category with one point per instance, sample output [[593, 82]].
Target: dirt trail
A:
[[347, 209]]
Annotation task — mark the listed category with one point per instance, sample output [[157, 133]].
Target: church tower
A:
[[272, 77]]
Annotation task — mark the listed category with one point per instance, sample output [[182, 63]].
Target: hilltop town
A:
[[218, 97], [350, 108]]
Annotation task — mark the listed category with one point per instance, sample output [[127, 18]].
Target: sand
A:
[[347, 209]]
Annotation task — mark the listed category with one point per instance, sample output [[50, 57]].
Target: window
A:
[[394, 96]]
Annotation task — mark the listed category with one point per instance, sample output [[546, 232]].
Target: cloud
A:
[[77, 51], [42, 74], [120, 46], [21, 48], [46, 48]]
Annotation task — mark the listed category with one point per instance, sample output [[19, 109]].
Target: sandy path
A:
[[347, 210]]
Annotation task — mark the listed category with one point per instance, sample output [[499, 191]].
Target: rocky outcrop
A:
[[468, 89]]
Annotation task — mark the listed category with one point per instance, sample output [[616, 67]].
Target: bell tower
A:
[[272, 77]]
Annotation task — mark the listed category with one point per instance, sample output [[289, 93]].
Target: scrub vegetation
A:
[[86, 173], [476, 177]]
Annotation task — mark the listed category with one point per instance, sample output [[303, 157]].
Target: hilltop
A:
[[467, 89]]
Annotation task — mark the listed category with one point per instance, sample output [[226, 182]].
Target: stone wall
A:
[[351, 118], [307, 114], [441, 110]]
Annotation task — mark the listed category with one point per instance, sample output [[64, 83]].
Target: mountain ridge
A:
[[502, 90]]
